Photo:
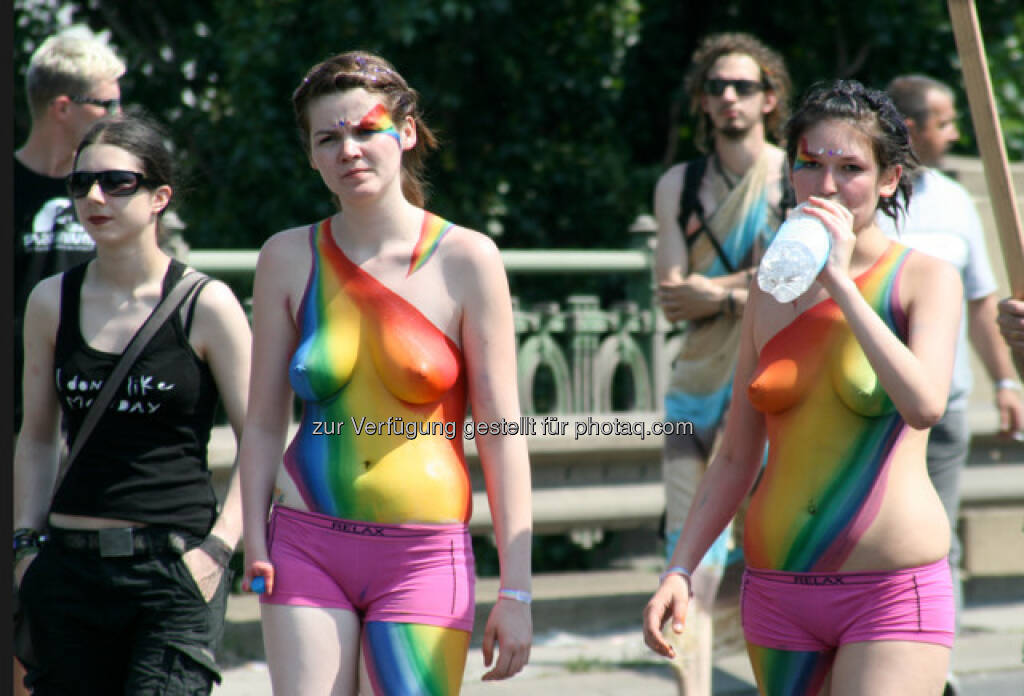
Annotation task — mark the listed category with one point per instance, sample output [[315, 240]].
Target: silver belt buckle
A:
[[116, 543]]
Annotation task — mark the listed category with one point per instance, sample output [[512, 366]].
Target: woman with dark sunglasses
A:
[[128, 591], [385, 320]]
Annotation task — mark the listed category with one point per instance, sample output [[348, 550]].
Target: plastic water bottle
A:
[[795, 256]]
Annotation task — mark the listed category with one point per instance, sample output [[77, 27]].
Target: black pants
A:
[[136, 625]]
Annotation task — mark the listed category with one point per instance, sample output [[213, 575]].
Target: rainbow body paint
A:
[[365, 356], [832, 433], [414, 658], [431, 233]]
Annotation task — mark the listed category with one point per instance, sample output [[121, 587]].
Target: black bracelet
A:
[[731, 304], [218, 549]]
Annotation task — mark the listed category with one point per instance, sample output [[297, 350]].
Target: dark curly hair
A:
[[773, 74], [874, 114], [371, 72]]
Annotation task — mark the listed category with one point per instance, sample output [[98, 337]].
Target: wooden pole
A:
[[971, 48]]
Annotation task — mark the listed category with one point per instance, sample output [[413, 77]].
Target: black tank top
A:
[[146, 459]]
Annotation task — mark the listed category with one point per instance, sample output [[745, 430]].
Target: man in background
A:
[[72, 80], [715, 215]]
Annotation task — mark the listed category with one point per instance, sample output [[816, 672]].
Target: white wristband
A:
[[518, 595], [678, 570], [1007, 383]]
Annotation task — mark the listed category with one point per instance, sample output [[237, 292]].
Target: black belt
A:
[[120, 542]]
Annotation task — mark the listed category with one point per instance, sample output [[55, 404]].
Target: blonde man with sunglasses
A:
[[71, 81], [715, 216]]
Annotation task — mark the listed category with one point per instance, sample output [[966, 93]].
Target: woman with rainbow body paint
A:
[[384, 319], [847, 589]]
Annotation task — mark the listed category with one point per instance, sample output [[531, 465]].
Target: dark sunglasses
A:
[[113, 182], [744, 88], [111, 106]]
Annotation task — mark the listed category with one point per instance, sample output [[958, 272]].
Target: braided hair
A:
[[873, 113]]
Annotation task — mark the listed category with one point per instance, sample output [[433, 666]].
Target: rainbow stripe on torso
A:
[[832, 432], [366, 355], [431, 233]]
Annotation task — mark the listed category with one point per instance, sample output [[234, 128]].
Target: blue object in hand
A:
[[258, 585]]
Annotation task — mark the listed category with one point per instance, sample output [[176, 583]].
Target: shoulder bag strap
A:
[[167, 306], [691, 205], [690, 202]]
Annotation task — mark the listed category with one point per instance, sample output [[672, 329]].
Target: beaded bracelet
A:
[[1008, 383], [518, 595]]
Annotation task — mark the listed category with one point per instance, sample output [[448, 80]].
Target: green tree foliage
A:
[[555, 116]]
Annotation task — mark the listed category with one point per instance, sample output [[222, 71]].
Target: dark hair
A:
[[910, 95], [773, 74], [361, 69], [136, 132], [874, 114]]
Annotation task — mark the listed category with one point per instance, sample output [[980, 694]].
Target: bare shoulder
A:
[[287, 250], [928, 276], [670, 183], [467, 250], [45, 297], [218, 298]]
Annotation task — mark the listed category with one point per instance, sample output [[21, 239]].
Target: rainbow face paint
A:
[[371, 367], [833, 433], [431, 233], [376, 120], [803, 157]]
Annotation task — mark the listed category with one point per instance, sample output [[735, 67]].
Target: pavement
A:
[[588, 641]]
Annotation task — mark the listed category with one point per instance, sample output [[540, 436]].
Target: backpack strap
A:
[[788, 201], [689, 201], [690, 205]]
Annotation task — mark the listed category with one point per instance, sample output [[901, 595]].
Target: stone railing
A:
[[574, 355]]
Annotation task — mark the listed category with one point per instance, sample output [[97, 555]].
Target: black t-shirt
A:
[[47, 240]]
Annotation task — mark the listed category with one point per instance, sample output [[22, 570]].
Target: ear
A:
[[408, 133], [161, 198], [890, 181], [704, 108], [60, 107], [771, 100]]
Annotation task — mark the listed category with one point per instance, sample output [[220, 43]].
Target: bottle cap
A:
[[258, 585]]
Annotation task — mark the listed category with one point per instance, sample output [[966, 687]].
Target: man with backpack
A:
[[716, 214]]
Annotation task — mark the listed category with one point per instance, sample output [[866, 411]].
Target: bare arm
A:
[[681, 294], [721, 490], [488, 343], [983, 332], [223, 332], [37, 451], [270, 394]]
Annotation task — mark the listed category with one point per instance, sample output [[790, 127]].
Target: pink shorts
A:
[[405, 573], [822, 611]]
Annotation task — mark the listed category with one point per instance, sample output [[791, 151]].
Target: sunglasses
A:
[[744, 88], [113, 182], [111, 106]]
